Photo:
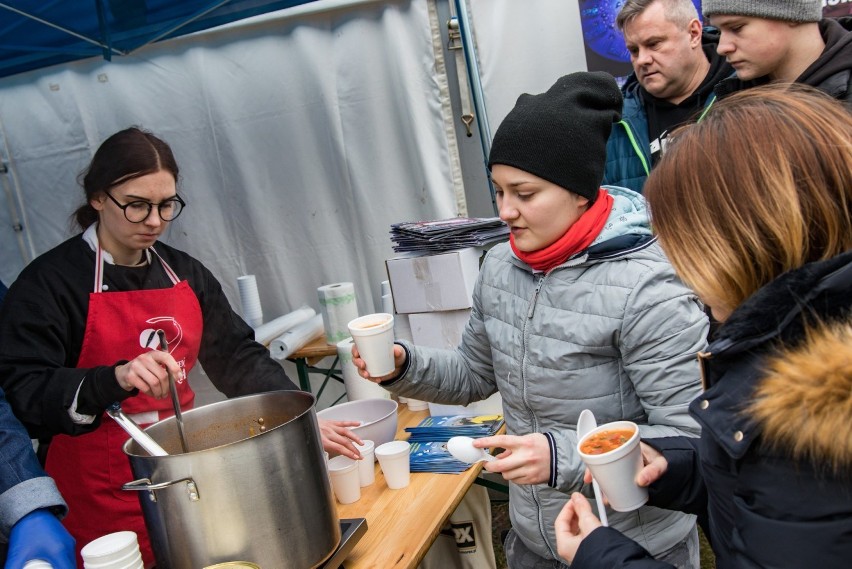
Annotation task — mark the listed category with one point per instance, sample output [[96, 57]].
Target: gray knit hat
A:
[[561, 135], [785, 10]]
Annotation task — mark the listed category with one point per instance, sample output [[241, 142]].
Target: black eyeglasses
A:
[[138, 211]]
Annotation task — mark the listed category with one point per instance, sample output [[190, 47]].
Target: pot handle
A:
[[144, 484]]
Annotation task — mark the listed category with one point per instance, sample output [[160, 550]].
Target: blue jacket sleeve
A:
[[24, 486]]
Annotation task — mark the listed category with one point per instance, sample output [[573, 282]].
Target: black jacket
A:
[[42, 322], [771, 475]]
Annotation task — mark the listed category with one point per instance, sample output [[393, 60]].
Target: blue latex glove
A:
[[40, 535]]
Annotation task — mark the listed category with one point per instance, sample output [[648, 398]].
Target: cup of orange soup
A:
[[612, 453]]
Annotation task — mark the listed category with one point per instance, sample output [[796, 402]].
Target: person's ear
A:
[[97, 202], [695, 29]]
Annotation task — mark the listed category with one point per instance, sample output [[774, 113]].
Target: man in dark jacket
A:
[[769, 41], [675, 67]]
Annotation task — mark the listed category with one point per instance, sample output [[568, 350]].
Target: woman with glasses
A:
[[104, 316]]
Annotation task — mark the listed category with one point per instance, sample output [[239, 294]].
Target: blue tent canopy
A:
[[39, 33]]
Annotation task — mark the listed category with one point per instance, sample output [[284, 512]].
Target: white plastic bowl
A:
[[377, 416]]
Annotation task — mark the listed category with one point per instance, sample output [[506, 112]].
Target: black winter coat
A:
[[771, 475]]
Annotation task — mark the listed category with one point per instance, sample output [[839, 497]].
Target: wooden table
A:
[[402, 524]]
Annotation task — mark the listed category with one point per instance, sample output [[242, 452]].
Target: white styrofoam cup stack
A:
[[250, 300], [118, 550]]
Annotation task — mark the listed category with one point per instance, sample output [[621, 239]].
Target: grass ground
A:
[[500, 523]]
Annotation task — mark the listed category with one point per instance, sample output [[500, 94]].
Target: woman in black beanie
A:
[[580, 310]]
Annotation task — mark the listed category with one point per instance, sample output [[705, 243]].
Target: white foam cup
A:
[[115, 550], [344, 479], [367, 464], [417, 405], [373, 335], [129, 561], [616, 470], [37, 564], [393, 458]]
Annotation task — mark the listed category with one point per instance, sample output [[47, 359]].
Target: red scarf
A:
[[579, 236]]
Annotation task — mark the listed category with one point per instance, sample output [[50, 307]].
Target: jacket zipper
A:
[[534, 421], [533, 301], [638, 149]]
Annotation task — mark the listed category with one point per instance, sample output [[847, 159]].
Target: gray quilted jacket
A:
[[612, 330]]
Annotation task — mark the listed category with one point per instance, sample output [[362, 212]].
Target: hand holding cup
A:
[[612, 453], [398, 358]]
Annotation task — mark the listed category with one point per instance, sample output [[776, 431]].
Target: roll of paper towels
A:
[[338, 306], [295, 338], [356, 386], [265, 333]]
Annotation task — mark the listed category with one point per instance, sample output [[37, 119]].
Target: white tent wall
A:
[[524, 47], [301, 134], [521, 47], [301, 138]]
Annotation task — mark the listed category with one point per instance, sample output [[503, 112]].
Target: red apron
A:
[[90, 469]]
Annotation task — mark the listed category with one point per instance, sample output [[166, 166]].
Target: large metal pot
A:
[[252, 488]]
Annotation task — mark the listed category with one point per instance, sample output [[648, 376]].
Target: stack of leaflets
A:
[[447, 234], [443, 428], [434, 457], [429, 440]]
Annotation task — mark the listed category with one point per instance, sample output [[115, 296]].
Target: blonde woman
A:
[[762, 231]]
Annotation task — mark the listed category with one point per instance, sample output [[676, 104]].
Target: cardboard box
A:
[[432, 283], [438, 329]]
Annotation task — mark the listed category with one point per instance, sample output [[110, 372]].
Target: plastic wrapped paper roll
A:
[[296, 338], [338, 306], [250, 300], [387, 303], [265, 333], [356, 386]]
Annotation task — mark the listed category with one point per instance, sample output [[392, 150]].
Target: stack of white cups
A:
[[250, 300], [118, 550]]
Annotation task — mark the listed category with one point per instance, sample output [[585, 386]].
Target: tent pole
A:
[[60, 28], [482, 126]]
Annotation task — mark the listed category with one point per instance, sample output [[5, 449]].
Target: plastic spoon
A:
[[462, 449], [585, 423]]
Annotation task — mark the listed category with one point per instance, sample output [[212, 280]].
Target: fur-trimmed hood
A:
[[804, 403]]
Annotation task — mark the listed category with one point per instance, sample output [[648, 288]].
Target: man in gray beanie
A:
[[770, 40]]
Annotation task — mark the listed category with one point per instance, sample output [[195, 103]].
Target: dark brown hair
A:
[[127, 154]]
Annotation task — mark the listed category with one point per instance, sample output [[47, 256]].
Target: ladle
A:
[[462, 449], [164, 346], [135, 431], [585, 423]]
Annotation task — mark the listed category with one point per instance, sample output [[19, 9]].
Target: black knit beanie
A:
[[561, 135]]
